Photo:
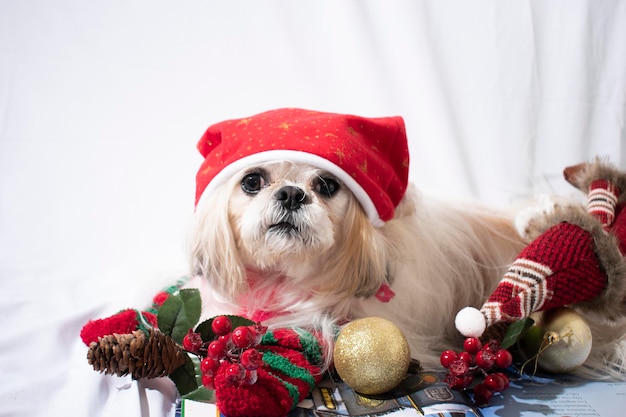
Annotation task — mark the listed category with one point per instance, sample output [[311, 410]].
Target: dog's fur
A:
[[322, 262]]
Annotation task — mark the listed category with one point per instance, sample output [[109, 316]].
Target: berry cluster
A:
[[235, 349], [480, 359]]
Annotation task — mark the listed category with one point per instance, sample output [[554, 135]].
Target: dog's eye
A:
[[252, 183], [326, 187]]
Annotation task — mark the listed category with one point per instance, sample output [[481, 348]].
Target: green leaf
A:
[[515, 331], [185, 377], [179, 313], [206, 332], [201, 394]]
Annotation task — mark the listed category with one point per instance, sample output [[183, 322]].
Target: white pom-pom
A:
[[470, 322]]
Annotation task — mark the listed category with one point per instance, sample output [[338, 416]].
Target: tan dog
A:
[[289, 239]]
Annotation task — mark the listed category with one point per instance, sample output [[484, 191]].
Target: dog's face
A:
[[284, 213], [291, 223]]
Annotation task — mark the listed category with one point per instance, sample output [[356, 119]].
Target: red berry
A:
[[482, 394], [485, 359], [458, 382], [221, 325], [235, 374], [472, 345], [467, 358], [251, 359], [458, 367], [217, 349], [208, 382], [505, 379], [242, 337], [495, 382], [503, 358], [447, 356], [209, 365], [256, 335], [492, 346], [192, 342]]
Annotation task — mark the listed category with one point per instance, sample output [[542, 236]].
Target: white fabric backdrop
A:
[[102, 102]]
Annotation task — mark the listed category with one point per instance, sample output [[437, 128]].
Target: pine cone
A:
[[141, 355]]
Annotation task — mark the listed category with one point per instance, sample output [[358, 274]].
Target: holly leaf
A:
[[515, 331], [185, 377], [179, 313], [206, 332], [201, 394]]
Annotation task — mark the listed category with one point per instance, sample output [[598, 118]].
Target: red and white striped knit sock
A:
[[602, 199]]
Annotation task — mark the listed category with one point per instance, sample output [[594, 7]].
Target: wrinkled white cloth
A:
[[101, 105]]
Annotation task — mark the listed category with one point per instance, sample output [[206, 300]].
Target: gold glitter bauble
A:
[[371, 355]]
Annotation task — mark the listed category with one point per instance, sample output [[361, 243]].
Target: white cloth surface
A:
[[101, 105]]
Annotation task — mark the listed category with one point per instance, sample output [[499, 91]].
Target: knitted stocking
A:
[[575, 261], [558, 268], [291, 367]]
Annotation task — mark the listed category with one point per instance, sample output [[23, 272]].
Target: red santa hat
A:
[[369, 155]]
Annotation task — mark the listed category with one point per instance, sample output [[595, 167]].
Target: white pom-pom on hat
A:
[[470, 322]]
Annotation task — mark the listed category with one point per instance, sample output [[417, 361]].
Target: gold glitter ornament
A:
[[371, 355]]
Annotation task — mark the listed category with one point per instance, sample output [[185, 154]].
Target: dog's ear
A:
[[358, 265], [212, 247]]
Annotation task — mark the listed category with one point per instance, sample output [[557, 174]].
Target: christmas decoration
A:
[[560, 267], [289, 366], [371, 355], [575, 259], [604, 185], [246, 369], [559, 340], [363, 153], [121, 323], [140, 354], [478, 360]]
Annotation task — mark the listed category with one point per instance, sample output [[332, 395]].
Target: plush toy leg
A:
[[575, 261], [601, 201], [603, 183], [560, 267]]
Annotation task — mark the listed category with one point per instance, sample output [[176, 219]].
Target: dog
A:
[[292, 239], [290, 245]]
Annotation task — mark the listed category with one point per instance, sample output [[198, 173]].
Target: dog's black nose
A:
[[291, 197]]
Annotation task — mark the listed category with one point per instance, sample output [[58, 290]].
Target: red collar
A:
[[384, 293]]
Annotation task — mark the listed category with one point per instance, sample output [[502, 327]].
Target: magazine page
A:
[[426, 394]]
